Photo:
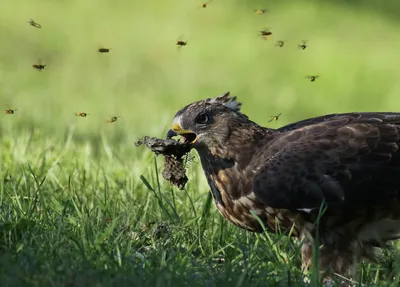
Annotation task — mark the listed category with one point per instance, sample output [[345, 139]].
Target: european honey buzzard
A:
[[348, 162]]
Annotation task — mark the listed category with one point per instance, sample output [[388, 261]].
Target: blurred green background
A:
[[353, 45], [93, 193]]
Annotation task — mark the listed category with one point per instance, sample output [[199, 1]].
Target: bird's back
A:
[[364, 148]]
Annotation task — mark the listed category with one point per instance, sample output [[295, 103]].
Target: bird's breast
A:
[[236, 202], [231, 188]]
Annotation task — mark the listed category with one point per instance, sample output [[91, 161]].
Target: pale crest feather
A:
[[227, 101]]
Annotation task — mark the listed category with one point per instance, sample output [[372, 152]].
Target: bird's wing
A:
[[336, 159], [321, 119]]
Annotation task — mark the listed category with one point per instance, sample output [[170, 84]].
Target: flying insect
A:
[[10, 111], [303, 45], [39, 66], [275, 118], [113, 119], [82, 114], [104, 50], [204, 5], [34, 24], [280, 43], [181, 43], [265, 33], [312, 78], [260, 11]]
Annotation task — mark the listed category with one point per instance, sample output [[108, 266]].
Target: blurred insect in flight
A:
[[275, 118], [303, 45], [82, 114], [204, 5], [112, 119], [265, 33], [10, 111], [39, 66], [104, 50], [34, 24], [312, 78], [181, 43], [260, 11], [280, 43]]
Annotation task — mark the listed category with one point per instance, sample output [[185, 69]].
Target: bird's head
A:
[[207, 122]]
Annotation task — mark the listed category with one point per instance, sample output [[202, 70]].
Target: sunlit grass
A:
[[73, 207]]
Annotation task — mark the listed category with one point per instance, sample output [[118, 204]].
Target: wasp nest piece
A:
[[173, 151], [174, 171]]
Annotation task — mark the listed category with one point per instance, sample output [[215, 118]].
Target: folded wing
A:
[[345, 159]]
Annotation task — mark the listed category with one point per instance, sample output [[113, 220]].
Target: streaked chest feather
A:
[[231, 188], [237, 203]]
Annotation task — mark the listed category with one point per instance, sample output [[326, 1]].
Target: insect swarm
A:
[[34, 24], [312, 78], [10, 111], [275, 118], [113, 119], [104, 50], [303, 45], [82, 114]]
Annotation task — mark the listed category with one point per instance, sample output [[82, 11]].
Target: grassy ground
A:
[[73, 210]]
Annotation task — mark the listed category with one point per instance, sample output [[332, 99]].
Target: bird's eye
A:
[[202, 119]]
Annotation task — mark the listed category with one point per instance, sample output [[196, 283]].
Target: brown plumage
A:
[[348, 163]]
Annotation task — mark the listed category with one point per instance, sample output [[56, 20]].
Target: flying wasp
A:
[[39, 66], [312, 78], [275, 118], [10, 111], [181, 43], [260, 11], [204, 5], [104, 50], [112, 119], [82, 114], [303, 45], [280, 43], [265, 33], [34, 24]]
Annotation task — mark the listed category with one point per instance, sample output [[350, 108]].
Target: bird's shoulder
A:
[[335, 120], [338, 127]]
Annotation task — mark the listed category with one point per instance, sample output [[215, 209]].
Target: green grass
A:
[[73, 208]]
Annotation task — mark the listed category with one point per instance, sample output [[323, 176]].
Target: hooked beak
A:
[[188, 135]]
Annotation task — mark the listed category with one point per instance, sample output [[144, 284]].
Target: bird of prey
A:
[[347, 163]]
